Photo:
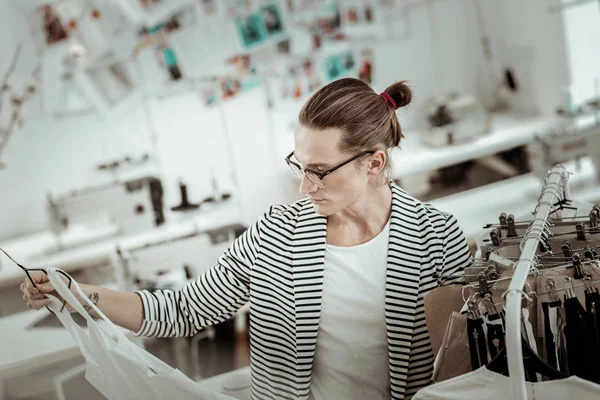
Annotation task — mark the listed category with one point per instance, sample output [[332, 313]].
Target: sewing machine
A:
[[120, 207], [565, 145], [455, 119]]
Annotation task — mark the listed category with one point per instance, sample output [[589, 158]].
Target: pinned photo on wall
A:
[[52, 28], [365, 70], [317, 40], [360, 19], [208, 93], [184, 18], [347, 60], [313, 78], [283, 47], [168, 57], [297, 83], [329, 18], [250, 31], [333, 69], [229, 86], [272, 19], [157, 37], [368, 10], [165, 54], [245, 72], [338, 65], [352, 15]]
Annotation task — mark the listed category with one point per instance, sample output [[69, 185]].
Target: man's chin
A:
[[321, 209]]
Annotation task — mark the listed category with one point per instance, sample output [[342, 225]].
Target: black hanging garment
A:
[[495, 338], [477, 346], [579, 337], [592, 305]]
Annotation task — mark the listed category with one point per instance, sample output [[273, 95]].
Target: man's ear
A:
[[377, 162]]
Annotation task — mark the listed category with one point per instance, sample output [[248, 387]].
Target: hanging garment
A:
[[477, 346], [453, 358], [489, 385], [116, 367], [495, 336], [531, 375], [578, 334], [561, 341], [551, 354], [592, 301]]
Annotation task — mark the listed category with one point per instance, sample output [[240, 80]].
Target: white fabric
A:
[[118, 368], [528, 329], [553, 317], [351, 356], [485, 384]]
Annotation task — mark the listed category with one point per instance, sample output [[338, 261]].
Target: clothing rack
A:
[[555, 189]]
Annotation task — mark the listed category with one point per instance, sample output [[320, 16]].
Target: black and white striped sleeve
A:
[[213, 298], [456, 255]]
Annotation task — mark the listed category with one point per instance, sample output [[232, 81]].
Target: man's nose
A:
[[307, 186]]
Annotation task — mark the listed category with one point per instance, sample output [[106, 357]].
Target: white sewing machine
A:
[[565, 145], [455, 118], [121, 207]]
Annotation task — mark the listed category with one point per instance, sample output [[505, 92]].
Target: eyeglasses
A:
[[317, 177]]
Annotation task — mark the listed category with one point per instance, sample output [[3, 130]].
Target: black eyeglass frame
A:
[[322, 175]]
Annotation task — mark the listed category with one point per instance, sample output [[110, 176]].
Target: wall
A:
[[582, 27], [436, 49], [526, 37]]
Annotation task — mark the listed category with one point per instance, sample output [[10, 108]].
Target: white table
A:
[[98, 253], [21, 347], [508, 131], [24, 349]]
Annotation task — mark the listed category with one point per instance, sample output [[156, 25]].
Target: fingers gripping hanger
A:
[[27, 270]]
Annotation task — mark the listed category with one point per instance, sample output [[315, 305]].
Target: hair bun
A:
[[400, 92]]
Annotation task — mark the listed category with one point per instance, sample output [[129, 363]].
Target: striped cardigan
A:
[[277, 265]]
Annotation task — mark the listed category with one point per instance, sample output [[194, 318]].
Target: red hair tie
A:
[[388, 99]]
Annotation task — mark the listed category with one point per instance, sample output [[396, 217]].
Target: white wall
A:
[[437, 51], [582, 27], [526, 37], [435, 48]]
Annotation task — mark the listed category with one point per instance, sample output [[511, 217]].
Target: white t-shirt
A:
[[485, 384], [351, 357]]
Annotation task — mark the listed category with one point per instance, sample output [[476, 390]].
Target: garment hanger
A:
[[532, 362], [27, 270]]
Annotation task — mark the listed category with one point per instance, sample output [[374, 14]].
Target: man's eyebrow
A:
[[317, 165], [312, 165]]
